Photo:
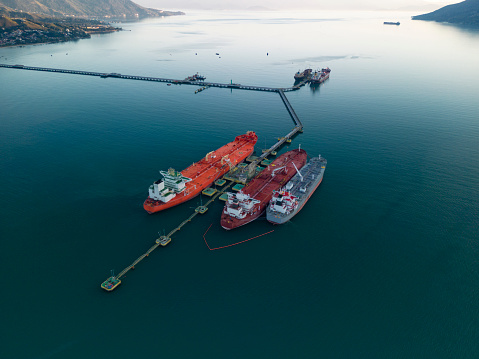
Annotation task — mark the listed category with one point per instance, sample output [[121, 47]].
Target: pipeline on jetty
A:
[[248, 172], [244, 173], [148, 78], [167, 237]]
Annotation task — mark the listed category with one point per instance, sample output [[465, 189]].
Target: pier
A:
[[166, 239], [246, 173], [155, 79], [239, 174]]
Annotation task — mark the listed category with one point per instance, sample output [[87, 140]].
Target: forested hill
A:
[[87, 8], [464, 13]]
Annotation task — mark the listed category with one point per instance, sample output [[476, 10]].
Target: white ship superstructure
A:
[[172, 184], [283, 202], [240, 204]]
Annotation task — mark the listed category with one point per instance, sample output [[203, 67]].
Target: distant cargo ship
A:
[[178, 187], [250, 202], [288, 201], [391, 23]]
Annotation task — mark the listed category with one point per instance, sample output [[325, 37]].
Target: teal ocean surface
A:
[[382, 262]]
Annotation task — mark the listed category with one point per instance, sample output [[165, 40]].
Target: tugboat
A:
[[290, 199]]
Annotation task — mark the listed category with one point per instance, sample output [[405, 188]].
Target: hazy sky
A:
[[291, 4]]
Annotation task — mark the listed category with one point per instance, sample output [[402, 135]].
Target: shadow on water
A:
[[314, 88], [469, 29]]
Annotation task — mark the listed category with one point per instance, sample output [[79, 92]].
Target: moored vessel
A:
[[301, 75], [289, 200], [320, 76], [195, 77], [251, 201], [178, 187]]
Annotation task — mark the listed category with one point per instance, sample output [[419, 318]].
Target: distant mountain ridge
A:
[[464, 13], [85, 8]]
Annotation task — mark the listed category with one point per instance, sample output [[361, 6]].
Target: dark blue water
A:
[[381, 262]]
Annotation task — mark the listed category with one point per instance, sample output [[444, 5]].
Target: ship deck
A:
[[312, 174], [262, 186], [206, 171]]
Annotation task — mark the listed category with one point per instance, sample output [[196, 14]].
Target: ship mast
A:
[[300, 175]]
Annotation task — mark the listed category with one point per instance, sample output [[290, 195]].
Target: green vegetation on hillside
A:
[[464, 13]]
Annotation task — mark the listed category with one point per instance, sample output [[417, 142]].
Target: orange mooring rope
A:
[[230, 245]]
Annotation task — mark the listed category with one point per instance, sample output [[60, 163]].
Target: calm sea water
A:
[[381, 263]]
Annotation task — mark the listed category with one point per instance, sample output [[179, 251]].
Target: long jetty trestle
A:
[[167, 238], [149, 78], [249, 171], [246, 172]]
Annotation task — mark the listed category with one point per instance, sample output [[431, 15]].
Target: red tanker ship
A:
[[249, 203], [178, 187]]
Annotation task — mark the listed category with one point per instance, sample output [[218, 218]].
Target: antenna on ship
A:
[[112, 272], [300, 147]]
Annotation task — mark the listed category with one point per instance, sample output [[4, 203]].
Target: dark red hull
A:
[[262, 186]]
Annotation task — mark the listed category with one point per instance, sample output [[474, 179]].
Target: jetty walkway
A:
[[245, 173], [167, 238], [155, 79], [248, 172]]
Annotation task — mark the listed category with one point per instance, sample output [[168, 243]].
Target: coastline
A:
[[21, 29], [19, 37]]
